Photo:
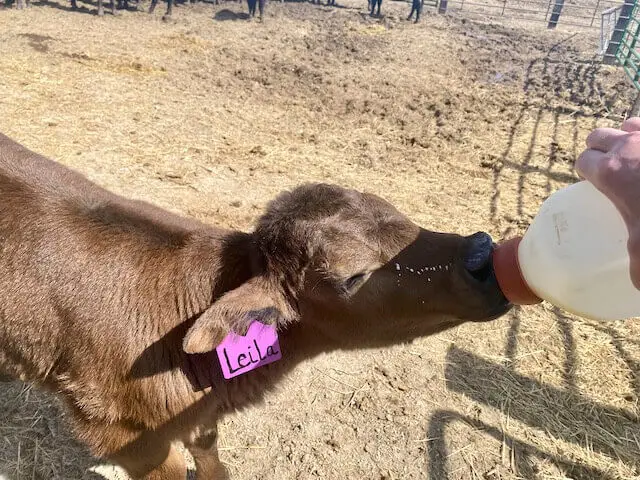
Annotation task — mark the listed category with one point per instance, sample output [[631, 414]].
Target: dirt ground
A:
[[464, 125]]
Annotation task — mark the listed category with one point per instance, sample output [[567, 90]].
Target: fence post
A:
[[595, 12], [635, 108], [618, 32], [555, 15], [442, 8]]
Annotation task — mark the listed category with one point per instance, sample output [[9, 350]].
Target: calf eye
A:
[[354, 281]]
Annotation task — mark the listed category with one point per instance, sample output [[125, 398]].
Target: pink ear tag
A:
[[240, 354]]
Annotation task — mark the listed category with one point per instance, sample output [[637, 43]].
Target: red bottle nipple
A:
[[509, 275]]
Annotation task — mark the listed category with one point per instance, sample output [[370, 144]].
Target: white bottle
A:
[[574, 255]]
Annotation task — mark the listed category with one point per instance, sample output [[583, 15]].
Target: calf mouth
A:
[[477, 261], [477, 258]]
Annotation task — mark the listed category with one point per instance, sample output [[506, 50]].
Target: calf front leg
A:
[[150, 457], [164, 462], [204, 448], [144, 455], [173, 467]]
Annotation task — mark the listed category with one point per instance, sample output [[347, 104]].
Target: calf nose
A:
[[477, 255]]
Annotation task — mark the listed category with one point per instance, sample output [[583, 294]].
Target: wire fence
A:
[[587, 14], [617, 20]]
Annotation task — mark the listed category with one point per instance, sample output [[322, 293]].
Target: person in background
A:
[[261, 4], [252, 8], [611, 162], [416, 6], [372, 4]]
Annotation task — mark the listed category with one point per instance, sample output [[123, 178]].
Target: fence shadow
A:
[[547, 78], [620, 344], [438, 453], [564, 414]]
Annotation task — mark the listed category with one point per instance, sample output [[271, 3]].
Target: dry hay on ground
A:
[[464, 126]]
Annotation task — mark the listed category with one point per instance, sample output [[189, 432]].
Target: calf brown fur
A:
[[117, 305]]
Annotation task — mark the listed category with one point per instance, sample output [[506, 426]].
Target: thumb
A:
[[634, 255], [631, 124], [635, 272], [589, 164]]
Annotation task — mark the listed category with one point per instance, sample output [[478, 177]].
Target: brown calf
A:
[[117, 304]]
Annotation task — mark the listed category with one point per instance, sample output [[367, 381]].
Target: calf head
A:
[[357, 272]]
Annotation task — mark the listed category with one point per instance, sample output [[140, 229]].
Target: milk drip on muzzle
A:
[[573, 255]]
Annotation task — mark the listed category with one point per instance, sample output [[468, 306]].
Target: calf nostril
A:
[[478, 251]]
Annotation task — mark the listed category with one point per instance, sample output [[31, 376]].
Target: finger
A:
[[635, 272], [631, 124], [634, 255], [604, 139], [589, 164]]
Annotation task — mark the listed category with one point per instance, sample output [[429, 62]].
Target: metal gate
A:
[[581, 13], [608, 21], [627, 53]]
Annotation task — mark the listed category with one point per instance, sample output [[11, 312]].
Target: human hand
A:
[[612, 163]]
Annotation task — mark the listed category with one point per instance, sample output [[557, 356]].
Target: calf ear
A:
[[256, 299]]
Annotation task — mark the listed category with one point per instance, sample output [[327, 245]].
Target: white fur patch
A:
[[112, 472], [109, 472]]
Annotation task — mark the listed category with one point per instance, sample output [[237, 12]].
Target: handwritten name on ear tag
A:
[[240, 354]]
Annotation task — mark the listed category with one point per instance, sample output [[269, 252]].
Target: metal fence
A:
[[617, 20], [608, 21], [586, 13], [627, 53]]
